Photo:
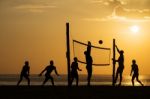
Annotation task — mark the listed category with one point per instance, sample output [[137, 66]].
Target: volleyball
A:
[[100, 42]]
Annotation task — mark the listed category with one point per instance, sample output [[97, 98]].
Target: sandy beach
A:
[[81, 92]]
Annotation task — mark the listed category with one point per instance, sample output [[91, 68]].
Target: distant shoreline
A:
[[81, 92], [102, 80]]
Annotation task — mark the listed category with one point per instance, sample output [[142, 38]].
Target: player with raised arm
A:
[[120, 65], [89, 62]]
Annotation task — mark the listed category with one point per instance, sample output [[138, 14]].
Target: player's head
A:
[[89, 43], [121, 52], [85, 52], [26, 63], [75, 59], [51, 62], [133, 61]]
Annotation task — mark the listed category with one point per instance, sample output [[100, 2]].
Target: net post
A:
[[114, 53], [68, 52]]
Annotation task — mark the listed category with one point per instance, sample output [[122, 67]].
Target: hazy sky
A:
[[34, 30]]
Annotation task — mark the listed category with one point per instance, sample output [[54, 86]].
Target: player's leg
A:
[[28, 79], [52, 80], [72, 78], [21, 77], [137, 79], [89, 76], [121, 72], [77, 79], [117, 73], [46, 79], [133, 77]]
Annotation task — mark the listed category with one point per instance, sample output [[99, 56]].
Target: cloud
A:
[[34, 7], [120, 12], [108, 2], [115, 17], [97, 1], [132, 13], [93, 19]]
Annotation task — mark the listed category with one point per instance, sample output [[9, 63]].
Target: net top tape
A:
[[91, 45]]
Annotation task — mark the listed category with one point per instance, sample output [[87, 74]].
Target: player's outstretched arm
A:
[[42, 72], [131, 71], [117, 48], [56, 72]]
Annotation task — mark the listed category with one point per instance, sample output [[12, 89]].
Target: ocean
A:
[[12, 79]]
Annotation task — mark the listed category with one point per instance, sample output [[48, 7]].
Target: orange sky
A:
[[34, 30]]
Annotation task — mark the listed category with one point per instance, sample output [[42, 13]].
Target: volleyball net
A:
[[101, 56]]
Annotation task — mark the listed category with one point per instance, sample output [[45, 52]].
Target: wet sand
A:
[[80, 92]]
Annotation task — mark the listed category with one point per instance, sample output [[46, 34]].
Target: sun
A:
[[134, 29]]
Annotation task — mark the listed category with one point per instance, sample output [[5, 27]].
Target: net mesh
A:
[[100, 55]]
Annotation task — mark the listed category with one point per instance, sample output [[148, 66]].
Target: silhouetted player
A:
[[89, 48], [121, 65], [25, 73], [89, 62], [135, 71], [48, 70], [74, 72]]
